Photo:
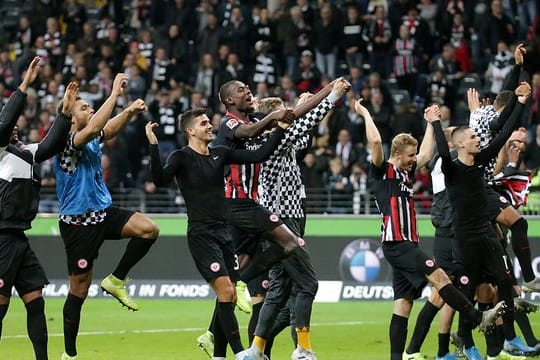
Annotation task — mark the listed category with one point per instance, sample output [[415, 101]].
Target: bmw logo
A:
[[362, 261]]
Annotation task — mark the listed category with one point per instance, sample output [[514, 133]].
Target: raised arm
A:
[[235, 156], [301, 127], [252, 130], [161, 176], [523, 92], [303, 108], [372, 134], [56, 137], [119, 122], [427, 147], [14, 107], [99, 119], [512, 80]]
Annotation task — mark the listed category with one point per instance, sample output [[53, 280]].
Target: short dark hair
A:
[[502, 99], [225, 91], [187, 118]]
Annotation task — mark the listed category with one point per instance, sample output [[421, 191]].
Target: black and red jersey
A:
[[394, 197], [241, 181]]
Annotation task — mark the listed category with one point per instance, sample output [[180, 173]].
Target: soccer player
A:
[[240, 130], [412, 268], [443, 253], [282, 194], [19, 193], [486, 122], [198, 171], [87, 216], [466, 188]]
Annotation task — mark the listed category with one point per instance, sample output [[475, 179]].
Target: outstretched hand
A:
[[149, 129], [119, 84], [432, 113], [341, 86], [138, 106], [70, 97], [473, 99], [31, 73], [360, 109], [518, 54]]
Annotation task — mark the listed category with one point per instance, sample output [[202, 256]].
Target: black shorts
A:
[[250, 217], [82, 242], [212, 250], [244, 242], [443, 250], [495, 203], [410, 266], [258, 285], [19, 266]]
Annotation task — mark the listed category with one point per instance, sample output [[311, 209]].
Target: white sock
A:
[[218, 358]]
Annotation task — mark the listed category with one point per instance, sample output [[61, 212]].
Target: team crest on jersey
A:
[[464, 280], [265, 284], [430, 263], [274, 218], [301, 242], [82, 263], [231, 123], [215, 266], [503, 199], [1, 283]]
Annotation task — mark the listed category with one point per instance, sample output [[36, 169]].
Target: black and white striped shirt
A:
[[282, 189]]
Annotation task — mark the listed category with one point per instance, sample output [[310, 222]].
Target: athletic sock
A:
[[458, 301], [255, 310], [136, 249], [444, 344], [37, 327], [398, 336], [3, 312], [492, 344], [522, 250], [229, 325], [259, 343], [525, 326], [304, 340], [421, 328], [72, 318], [263, 262]]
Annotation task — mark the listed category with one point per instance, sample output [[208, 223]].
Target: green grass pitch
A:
[[167, 329]]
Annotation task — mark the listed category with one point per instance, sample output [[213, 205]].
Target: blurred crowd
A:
[[398, 55]]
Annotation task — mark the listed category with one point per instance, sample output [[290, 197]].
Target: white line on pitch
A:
[[154, 331]]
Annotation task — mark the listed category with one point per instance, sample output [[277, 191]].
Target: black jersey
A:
[[200, 177], [466, 184], [394, 198]]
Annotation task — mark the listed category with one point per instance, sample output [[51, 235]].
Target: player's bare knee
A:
[[150, 230], [486, 294], [439, 278], [226, 293]]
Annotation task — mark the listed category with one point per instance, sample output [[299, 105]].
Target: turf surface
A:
[[167, 329]]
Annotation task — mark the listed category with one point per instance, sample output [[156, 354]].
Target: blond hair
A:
[[401, 141], [269, 104]]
